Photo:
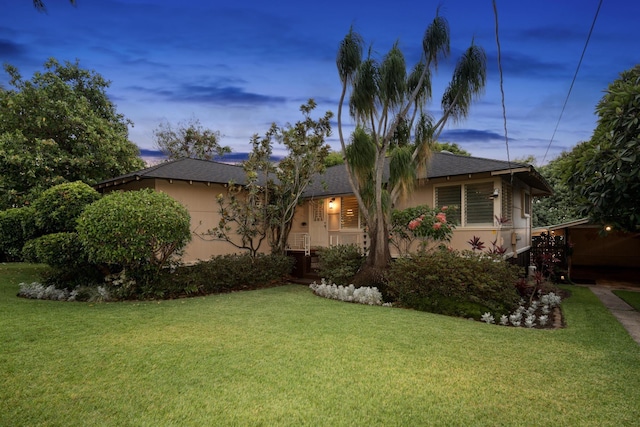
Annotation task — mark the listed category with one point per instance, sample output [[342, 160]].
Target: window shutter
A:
[[450, 196], [507, 202], [479, 204]]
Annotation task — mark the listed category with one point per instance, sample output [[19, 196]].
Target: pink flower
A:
[[442, 217], [444, 208], [437, 225], [414, 224]]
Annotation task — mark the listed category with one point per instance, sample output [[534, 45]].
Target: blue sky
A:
[[239, 66]]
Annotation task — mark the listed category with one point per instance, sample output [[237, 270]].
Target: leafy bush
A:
[[220, 274], [451, 283], [16, 227], [423, 224], [57, 208], [67, 258], [339, 264], [139, 230]]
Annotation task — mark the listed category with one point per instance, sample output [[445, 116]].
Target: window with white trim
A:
[[507, 203], [473, 202], [349, 213], [526, 204]]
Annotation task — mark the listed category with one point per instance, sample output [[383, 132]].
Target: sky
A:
[[239, 66]]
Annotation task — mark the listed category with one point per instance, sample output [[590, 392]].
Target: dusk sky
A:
[[239, 66]]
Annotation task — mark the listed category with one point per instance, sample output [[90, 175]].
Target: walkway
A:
[[626, 315]]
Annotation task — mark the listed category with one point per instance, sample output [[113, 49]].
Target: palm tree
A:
[[40, 7], [388, 107]]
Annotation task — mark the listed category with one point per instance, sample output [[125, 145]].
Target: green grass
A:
[[283, 356], [630, 297]]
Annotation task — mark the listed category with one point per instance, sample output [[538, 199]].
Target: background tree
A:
[[189, 139], [333, 158], [561, 206], [606, 171], [58, 127], [388, 106], [451, 147]]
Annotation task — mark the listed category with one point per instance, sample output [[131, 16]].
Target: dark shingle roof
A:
[[335, 181], [185, 170]]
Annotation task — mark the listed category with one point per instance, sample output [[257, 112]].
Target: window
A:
[[526, 204], [318, 210], [507, 202], [349, 213], [473, 202], [450, 196], [479, 203]]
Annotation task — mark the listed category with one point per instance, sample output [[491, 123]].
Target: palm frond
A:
[[436, 42], [468, 82], [365, 91], [349, 55], [393, 78], [402, 171]]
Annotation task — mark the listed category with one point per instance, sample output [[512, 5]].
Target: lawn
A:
[[630, 297], [283, 356]]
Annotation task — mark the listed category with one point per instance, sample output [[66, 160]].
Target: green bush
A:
[[16, 227], [448, 282], [139, 230], [63, 252], [57, 208], [339, 264], [220, 274]]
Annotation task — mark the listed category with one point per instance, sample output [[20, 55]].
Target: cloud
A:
[[11, 50], [224, 95], [462, 135]]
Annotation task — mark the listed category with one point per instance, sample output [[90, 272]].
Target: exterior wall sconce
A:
[[495, 194], [333, 199], [608, 228]]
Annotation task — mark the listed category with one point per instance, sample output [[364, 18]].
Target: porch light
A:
[[608, 228], [331, 203]]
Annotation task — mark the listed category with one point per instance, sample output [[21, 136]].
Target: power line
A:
[[573, 81], [504, 109]]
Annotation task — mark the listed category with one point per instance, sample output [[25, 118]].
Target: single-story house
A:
[[595, 252], [483, 190]]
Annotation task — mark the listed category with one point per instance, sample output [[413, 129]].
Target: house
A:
[[484, 191]]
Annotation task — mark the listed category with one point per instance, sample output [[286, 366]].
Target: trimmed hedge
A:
[[58, 208], [220, 274], [455, 284]]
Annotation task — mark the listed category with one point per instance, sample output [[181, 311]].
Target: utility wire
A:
[[573, 81], [504, 109]]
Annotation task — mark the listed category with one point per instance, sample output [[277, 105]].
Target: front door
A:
[[318, 233]]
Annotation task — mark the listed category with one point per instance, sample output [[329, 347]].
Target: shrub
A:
[[139, 230], [16, 227], [339, 264], [57, 208], [220, 274], [451, 283], [67, 258]]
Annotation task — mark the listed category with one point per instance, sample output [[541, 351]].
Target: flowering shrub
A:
[[363, 295], [421, 223]]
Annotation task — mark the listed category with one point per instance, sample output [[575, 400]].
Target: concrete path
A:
[[626, 315]]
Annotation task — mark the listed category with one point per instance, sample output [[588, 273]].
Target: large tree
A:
[[392, 124], [606, 170], [189, 139], [562, 205], [58, 127], [264, 207]]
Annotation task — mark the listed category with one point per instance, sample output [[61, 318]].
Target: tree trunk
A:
[[379, 253]]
